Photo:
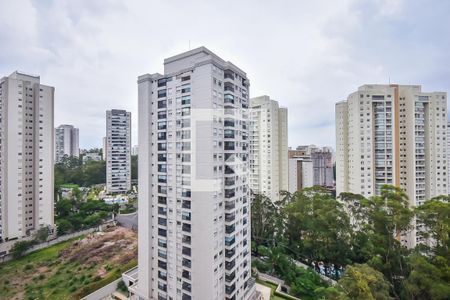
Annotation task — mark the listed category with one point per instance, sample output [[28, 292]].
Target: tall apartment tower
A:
[[118, 151], [392, 134], [26, 155], [66, 142], [448, 160], [268, 147], [194, 206]]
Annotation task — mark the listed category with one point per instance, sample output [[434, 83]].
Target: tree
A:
[[264, 216], [63, 226], [134, 167], [63, 208], [361, 282], [318, 228], [435, 215], [429, 278], [19, 248], [388, 217], [41, 235]]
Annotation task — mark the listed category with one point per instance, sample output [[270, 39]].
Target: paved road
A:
[[128, 220]]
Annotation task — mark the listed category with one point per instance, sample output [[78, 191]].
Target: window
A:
[[162, 114], [162, 93], [185, 88], [162, 125], [162, 135]]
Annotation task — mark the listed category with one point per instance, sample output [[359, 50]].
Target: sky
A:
[[307, 55]]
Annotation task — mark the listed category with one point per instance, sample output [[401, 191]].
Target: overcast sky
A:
[[305, 54]]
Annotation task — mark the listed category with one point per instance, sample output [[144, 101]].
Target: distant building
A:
[[393, 134], [26, 155], [301, 172], [323, 163], [448, 154], [66, 142], [268, 147], [311, 166], [118, 151]]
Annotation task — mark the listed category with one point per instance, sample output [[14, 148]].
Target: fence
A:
[[60, 239]]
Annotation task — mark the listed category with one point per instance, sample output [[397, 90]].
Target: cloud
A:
[[305, 54]]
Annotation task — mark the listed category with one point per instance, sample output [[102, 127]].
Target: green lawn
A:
[[273, 288], [46, 274]]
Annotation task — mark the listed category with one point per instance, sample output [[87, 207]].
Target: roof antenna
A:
[[389, 80], [189, 44]]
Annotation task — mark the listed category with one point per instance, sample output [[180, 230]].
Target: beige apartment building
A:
[[392, 134], [268, 147], [194, 195], [26, 155]]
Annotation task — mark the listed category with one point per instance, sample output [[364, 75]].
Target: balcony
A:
[[186, 263], [186, 239], [186, 274], [228, 75], [230, 193], [228, 87], [230, 228], [230, 277], [227, 98], [230, 265], [230, 289], [186, 227], [230, 181], [230, 253], [229, 241], [186, 204], [230, 205], [228, 123], [230, 217], [186, 286], [186, 251]]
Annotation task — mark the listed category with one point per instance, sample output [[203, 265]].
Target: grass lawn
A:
[[51, 273], [273, 287]]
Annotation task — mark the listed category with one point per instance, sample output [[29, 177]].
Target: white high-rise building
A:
[[66, 142], [301, 173], [448, 160], [392, 134], [26, 155], [268, 147], [118, 151], [194, 198]]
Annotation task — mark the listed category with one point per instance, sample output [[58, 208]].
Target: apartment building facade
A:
[[393, 134], [268, 147], [26, 155], [66, 142], [118, 151], [194, 198], [301, 170]]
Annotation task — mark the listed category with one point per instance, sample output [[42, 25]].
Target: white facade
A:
[[135, 150], [268, 147], [66, 142], [448, 160], [392, 134], [301, 173], [118, 151], [194, 206], [26, 155]]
